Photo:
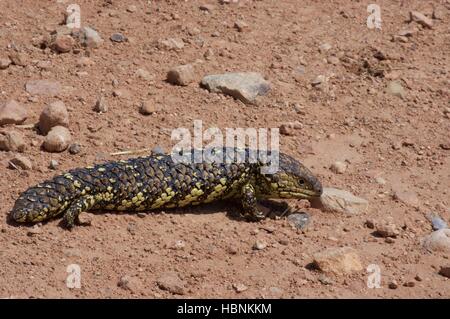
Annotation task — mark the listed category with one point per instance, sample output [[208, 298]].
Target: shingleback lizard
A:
[[157, 181]]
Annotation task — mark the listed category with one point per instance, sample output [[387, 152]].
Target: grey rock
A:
[[299, 220], [90, 38], [100, 105], [22, 162], [4, 63], [395, 88], [53, 164], [438, 240], [421, 19], [118, 37], [12, 141], [74, 149], [437, 222], [245, 86], [43, 87], [337, 200], [57, 139], [181, 75], [171, 282], [12, 112]]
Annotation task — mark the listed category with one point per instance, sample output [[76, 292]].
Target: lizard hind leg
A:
[[79, 205]]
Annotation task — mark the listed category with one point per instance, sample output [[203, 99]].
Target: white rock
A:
[[438, 240], [337, 200]]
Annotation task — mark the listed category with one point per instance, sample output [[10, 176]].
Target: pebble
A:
[[63, 43], [35, 230], [157, 150], [259, 245], [387, 229], [393, 284], [380, 180], [396, 89], [181, 75], [207, 7], [324, 47], [241, 26], [4, 63], [144, 74], [12, 141], [43, 87], [18, 58], [438, 240], [101, 105], [290, 128], [341, 201], [333, 60], [12, 112], [445, 271], [171, 282], [342, 260], [74, 149], [171, 44], [57, 139], [240, 287], [437, 222], [421, 19], [147, 107], [131, 8], [318, 80], [53, 164], [299, 220], [246, 86], [128, 283], [118, 37], [90, 38], [338, 167], [53, 115], [20, 161], [85, 61], [405, 196]]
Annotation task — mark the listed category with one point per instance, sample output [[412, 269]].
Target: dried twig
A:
[[131, 152]]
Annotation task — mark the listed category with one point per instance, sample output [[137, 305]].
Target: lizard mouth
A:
[[303, 194]]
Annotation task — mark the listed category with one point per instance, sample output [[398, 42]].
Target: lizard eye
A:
[[301, 182]]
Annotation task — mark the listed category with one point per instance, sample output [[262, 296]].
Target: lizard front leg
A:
[[249, 203], [81, 204]]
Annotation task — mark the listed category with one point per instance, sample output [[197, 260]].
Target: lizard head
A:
[[291, 180]]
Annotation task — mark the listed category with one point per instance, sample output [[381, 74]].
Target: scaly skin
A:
[[156, 181]]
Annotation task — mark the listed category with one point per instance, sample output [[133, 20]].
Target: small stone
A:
[[63, 43], [35, 230], [445, 271], [57, 139], [436, 221], [43, 87], [318, 80], [438, 240], [290, 128], [241, 26], [406, 32], [44, 65], [12, 112], [101, 105], [207, 7], [53, 164], [409, 284], [131, 228], [22, 162], [387, 229], [144, 74], [4, 63], [445, 146], [405, 196], [131, 8], [324, 280], [171, 282], [128, 283], [181, 75], [171, 44], [299, 220], [18, 58], [421, 19], [118, 37], [341, 201], [393, 284], [90, 38], [380, 180], [395, 88], [333, 60], [259, 245], [240, 287], [74, 149], [339, 261], [12, 141], [157, 150], [418, 278], [85, 61], [389, 240], [242, 86], [147, 108], [209, 53], [53, 115], [369, 224], [179, 245], [324, 47], [338, 167]]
